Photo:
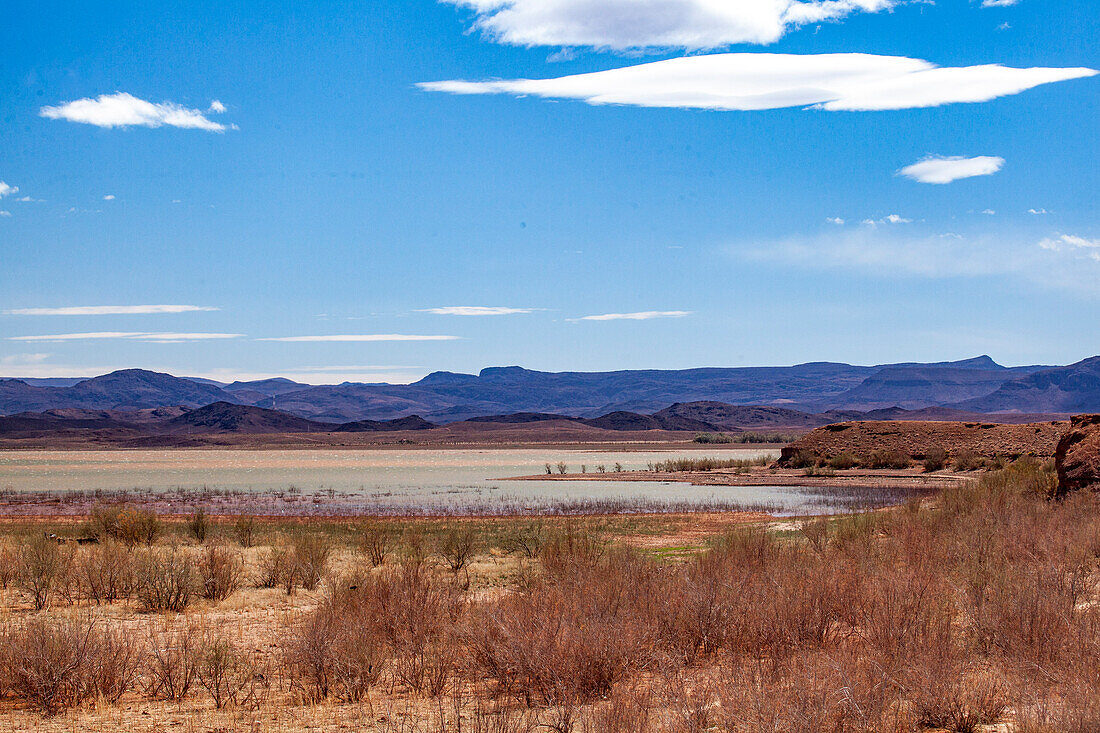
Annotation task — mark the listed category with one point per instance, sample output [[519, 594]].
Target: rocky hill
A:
[[917, 438]]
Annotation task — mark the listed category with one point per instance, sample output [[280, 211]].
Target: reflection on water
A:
[[384, 480]]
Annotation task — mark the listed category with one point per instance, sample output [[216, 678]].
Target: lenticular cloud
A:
[[757, 81], [624, 24], [125, 110]]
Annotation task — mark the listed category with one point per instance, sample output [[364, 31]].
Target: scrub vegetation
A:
[[976, 606]]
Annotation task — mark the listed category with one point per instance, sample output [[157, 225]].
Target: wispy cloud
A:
[[476, 310], [1060, 264], [888, 219], [998, 3], [109, 197], [5, 213], [6, 190], [628, 24], [23, 359], [363, 337], [1089, 248], [638, 316], [756, 81], [108, 310], [834, 220], [162, 337], [125, 110], [1038, 212], [942, 169]]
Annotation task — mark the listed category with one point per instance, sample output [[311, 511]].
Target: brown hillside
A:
[[916, 438]]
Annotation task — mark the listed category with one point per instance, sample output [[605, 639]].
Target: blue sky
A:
[[356, 178]]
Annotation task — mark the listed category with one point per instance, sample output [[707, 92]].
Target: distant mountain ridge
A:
[[977, 385]]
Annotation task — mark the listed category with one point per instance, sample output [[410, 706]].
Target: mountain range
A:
[[972, 386]]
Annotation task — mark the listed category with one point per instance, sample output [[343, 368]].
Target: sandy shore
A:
[[856, 479]]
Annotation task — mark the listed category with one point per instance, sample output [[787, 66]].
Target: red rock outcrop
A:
[[1077, 457]]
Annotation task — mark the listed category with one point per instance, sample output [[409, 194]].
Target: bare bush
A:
[[227, 674], [244, 530], [42, 567], [59, 663], [526, 539], [198, 525], [310, 558], [106, 572], [376, 543], [935, 459], [457, 546], [174, 660], [274, 567], [221, 572], [165, 581]]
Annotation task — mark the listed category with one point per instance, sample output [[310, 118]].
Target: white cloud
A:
[[17, 359], [475, 310], [1038, 212], [888, 219], [29, 200], [638, 316], [1089, 248], [5, 213], [109, 197], [217, 107], [124, 110], [627, 24], [895, 253], [107, 310], [6, 190], [988, 212], [755, 81], [363, 337], [942, 169], [160, 337], [834, 220], [998, 3]]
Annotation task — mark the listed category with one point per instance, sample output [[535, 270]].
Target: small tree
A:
[[198, 525], [40, 568], [244, 528], [376, 543], [457, 547], [561, 467]]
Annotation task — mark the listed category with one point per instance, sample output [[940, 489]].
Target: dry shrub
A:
[[945, 695], [244, 529], [376, 543], [884, 458], [842, 461], [9, 566], [175, 656], [571, 636], [569, 547], [333, 654], [106, 572], [198, 525], [526, 539], [968, 460], [309, 560], [274, 567], [458, 546], [43, 566], [165, 580], [935, 459], [228, 674], [402, 614], [60, 663], [221, 572], [124, 523]]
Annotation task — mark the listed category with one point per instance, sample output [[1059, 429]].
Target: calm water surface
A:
[[468, 479]]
